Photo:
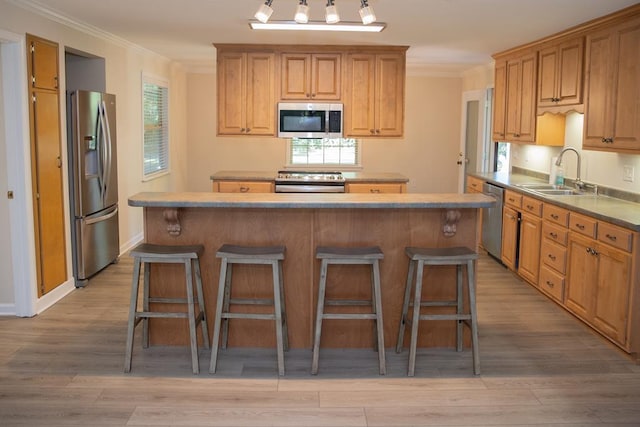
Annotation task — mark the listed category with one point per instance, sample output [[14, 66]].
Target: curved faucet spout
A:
[[579, 183]]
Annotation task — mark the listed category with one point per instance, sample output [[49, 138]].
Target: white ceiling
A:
[[445, 35]]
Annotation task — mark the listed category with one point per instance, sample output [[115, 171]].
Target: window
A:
[[155, 105], [324, 151]]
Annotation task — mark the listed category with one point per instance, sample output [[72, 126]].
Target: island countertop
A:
[[315, 201]]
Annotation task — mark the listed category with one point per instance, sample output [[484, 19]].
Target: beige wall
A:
[[427, 154]]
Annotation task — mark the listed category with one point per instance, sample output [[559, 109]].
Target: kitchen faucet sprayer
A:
[[579, 184]]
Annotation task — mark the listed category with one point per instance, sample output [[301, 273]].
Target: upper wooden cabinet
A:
[[612, 89], [560, 69], [246, 93], [315, 76], [520, 123], [374, 105], [500, 100], [44, 63]]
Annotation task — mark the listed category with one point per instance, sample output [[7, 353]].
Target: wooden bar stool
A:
[[147, 254], [231, 254], [351, 256], [418, 258]]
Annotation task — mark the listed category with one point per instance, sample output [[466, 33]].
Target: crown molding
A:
[[48, 13]]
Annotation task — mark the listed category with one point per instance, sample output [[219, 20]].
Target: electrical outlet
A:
[[627, 173]]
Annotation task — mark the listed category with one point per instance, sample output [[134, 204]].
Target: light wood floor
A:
[[540, 366]]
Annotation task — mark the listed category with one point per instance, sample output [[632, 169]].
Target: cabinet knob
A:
[[550, 284], [242, 129], [372, 131], [553, 235], [248, 130], [552, 257]]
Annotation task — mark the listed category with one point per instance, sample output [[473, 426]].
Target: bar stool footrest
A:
[[349, 302], [251, 301], [345, 316], [253, 316]]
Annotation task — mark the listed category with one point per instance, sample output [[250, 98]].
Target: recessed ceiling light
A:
[[318, 26]]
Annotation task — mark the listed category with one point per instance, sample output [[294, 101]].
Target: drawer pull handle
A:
[[244, 189], [550, 284], [554, 216], [580, 226], [553, 235], [552, 257], [374, 190], [612, 238], [530, 207]]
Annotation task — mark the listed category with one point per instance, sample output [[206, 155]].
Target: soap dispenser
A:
[[559, 175]]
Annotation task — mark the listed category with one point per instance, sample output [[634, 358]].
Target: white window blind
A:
[[155, 101], [324, 151]]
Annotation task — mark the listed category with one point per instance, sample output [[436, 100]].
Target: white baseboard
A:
[[7, 309], [128, 245], [55, 295]]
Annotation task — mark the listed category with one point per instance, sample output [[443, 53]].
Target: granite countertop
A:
[[616, 211], [308, 200], [271, 176]]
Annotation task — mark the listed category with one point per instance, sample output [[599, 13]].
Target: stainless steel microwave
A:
[[309, 120]]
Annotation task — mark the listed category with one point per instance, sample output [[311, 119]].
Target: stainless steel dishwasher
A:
[[492, 221]]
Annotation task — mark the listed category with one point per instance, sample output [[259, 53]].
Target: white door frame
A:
[[16, 112], [483, 146]]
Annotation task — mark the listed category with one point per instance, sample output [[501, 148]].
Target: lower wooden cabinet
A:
[[529, 249], [244, 186], [599, 281], [376, 187]]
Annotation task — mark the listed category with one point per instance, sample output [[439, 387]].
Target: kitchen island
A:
[[301, 222]]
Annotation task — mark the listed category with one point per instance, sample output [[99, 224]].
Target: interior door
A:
[[475, 148]]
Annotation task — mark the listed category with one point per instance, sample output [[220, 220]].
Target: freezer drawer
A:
[[97, 243]]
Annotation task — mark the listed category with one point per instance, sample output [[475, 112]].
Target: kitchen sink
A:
[[552, 189]]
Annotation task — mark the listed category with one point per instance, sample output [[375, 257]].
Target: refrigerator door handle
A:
[[107, 133], [103, 153], [102, 218]]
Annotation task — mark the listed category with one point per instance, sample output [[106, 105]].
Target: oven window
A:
[[324, 151]]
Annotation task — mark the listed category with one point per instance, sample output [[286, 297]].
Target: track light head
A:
[[264, 12]]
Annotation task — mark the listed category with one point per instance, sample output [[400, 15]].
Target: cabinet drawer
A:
[[551, 283], [615, 236], [555, 233], [554, 256], [555, 214], [376, 188], [531, 205], [474, 185], [512, 198], [245, 187], [583, 224]]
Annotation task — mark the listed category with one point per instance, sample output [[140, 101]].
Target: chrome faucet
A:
[[578, 183]]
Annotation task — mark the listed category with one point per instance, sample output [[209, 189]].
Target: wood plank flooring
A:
[[540, 366]]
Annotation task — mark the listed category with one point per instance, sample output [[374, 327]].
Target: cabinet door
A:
[[231, 93], [499, 101], [512, 113], [360, 105], [326, 76], [376, 188], [611, 309], [571, 59], [510, 228], [295, 71], [261, 100], [612, 89], [521, 99], [44, 64], [582, 268], [389, 99], [529, 259]]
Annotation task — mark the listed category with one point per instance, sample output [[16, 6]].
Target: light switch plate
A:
[[627, 173]]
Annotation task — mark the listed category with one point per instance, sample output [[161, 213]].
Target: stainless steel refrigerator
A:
[[93, 182]]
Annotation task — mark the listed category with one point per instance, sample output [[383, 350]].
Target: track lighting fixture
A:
[[366, 13], [264, 12], [331, 13], [302, 13]]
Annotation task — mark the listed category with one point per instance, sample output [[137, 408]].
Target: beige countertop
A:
[[349, 176], [616, 211], [308, 200]]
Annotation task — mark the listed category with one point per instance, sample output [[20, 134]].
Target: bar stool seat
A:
[[350, 256], [234, 254], [147, 254], [418, 258]]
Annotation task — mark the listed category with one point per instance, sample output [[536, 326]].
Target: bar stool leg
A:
[[405, 306], [277, 302], [145, 303], [132, 314], [193, 339], [285, 327], [416, 319], [474, 317], [227, 301], [215, 342], [203, 313], [459, 307], [377, 298], [319, 314]]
